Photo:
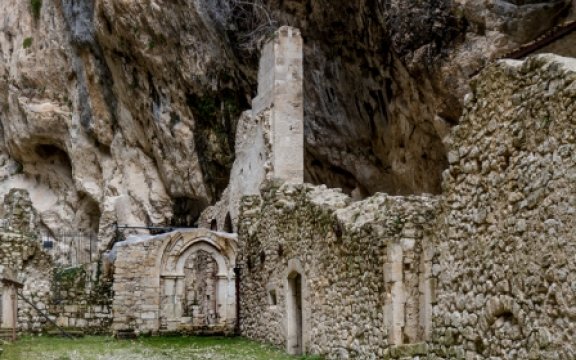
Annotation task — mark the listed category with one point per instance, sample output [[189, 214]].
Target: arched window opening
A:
[[228, 224]]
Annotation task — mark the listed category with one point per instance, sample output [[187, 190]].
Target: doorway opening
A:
[[295, 341]]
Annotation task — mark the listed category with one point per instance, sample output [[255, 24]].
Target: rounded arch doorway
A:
[[197, 286]]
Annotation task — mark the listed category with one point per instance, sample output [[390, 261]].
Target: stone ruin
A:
[[484, 271], [9, 285], [179, 282]]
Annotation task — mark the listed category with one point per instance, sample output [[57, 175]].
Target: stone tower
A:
[[280, 90]]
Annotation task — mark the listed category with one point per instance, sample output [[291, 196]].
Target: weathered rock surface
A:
[[125, 111]]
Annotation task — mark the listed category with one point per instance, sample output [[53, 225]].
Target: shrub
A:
[[27, 43], [36, 6]]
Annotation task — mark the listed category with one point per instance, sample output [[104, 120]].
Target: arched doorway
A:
[[197, 283], [295, 339], [200, 282]]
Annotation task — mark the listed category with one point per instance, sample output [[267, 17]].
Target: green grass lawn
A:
[[152, 348]]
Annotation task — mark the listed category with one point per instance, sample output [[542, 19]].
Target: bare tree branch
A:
[[251, 20]]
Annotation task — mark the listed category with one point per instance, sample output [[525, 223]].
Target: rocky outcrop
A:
[[102, 128], [125, 111], [385, 82]]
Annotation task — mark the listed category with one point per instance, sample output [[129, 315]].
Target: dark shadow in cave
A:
[[187, 210]]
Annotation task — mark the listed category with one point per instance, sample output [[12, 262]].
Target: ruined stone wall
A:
[[20, 251], [507, 284], [80, 299], [73, 297], [352, 307], [16, 250], [270, 137], [136, 286], [151, 275]]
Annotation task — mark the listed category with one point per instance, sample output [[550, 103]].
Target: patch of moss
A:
[[68, 280], [36, 7], [27, 43]]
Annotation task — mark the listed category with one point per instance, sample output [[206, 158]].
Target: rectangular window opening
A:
[[272, 297]]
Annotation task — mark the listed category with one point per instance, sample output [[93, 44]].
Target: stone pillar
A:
[[178, 297], [231, 308], [169, 295], [280, 89], [222, 297], [9, 300], [395, 296], [427, 291]]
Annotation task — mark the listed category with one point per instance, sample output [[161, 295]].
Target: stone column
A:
[[178, 296], [171, 307], [222, 297], [427, 291], [395, 296], [231, 308], [169, 294], [8, 303]]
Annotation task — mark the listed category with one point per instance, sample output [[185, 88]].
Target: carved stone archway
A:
[[154, 275], [180, 251]]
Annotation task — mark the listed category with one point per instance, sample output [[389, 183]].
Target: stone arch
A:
[[175, 254], [203, 245], [502, 319]]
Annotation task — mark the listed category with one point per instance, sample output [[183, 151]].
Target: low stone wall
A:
[[507, 285], [365, 269], [81, 300]]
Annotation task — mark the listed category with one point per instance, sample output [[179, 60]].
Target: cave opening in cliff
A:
[[187, 210], [53, 153], [52, 157], [88, 214]]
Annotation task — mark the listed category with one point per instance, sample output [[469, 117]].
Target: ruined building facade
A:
[[484, 270]]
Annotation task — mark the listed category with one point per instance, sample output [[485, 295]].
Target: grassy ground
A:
[[153, 348]]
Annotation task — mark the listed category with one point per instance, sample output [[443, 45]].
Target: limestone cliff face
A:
[[385, 79], [106, 107], [125, 111]]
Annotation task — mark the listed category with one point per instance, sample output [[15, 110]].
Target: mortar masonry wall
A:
[[496, 252], [507, 232], [346, 300]]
